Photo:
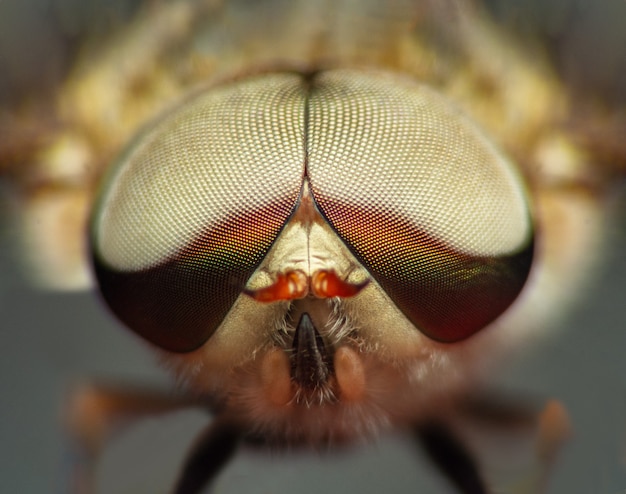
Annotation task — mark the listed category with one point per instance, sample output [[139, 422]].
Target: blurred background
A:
[[49, 341]]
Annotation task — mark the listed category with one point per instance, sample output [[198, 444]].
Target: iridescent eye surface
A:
[[195, 204], [427, 204], [432, 210]]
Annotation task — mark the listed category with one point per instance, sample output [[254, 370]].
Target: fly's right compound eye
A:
[[193, 207]]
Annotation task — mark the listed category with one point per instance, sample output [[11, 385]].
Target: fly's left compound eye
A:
[[426, 203]]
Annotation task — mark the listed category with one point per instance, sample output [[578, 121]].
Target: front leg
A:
[[452, 457], [95, 412], [491, 425], [213, 449]]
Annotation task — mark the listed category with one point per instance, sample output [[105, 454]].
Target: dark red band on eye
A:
[[179, 303], [448, 295]]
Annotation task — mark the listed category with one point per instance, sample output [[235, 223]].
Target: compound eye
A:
[[421, 197], [194, 205]]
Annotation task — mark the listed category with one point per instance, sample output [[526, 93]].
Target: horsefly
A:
[[329, 221]]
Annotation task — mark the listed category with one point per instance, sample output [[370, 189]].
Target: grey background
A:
[[49, 341]]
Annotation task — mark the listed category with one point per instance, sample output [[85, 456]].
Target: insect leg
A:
[[95, 411], [507, 443], [213, 449], [452, 457]]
